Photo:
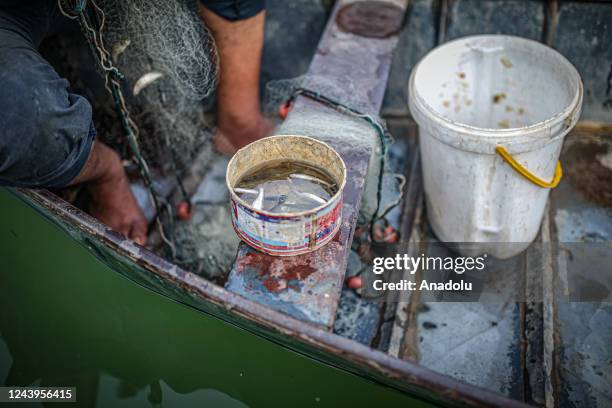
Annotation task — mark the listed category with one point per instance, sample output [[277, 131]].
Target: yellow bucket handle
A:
[[526, 173]]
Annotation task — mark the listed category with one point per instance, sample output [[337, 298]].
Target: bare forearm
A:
[[103, 165], [239, 44]]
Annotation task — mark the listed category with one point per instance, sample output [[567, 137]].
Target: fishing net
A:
[[170, 64], [163, 36], [342, 90], [354, 114], [206, 243], [160, 66]]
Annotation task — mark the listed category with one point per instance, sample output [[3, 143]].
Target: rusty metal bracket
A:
[[373, 18]]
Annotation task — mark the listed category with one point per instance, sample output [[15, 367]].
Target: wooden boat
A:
[[82, 306]]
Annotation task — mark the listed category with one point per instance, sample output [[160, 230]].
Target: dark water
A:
[[283, 187]]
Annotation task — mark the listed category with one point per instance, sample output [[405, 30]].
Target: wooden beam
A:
[[308, 287]]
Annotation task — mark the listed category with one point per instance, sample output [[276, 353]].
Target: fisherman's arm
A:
[[47, 135], [238, 29]]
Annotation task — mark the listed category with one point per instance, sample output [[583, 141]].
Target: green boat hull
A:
[[69, 319]]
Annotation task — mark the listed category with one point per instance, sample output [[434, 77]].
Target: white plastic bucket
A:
[[469, 97]]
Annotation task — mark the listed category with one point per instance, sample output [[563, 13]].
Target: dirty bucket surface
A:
[[492, 112]]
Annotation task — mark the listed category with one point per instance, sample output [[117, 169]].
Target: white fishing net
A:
[[170, 64], [342, 90], [166, 37], [348, 129]]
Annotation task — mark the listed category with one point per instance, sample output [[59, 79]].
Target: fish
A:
[[146, 80], [250, 191], [258, 203], [311, 196], [310, 178], [239, 190], [119, 48], [281, 200]]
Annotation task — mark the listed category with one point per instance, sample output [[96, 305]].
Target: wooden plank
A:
[[578, 318], [537, 276], [442, 335], [308, 287]]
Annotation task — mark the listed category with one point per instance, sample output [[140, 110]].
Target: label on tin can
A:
[[273, 232], [281, 235]]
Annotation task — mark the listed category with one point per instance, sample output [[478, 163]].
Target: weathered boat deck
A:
[[548, 339]]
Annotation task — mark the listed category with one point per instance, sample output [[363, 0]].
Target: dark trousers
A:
[[46, 131]]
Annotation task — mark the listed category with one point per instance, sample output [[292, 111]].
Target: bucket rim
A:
[[298, 214], [569, 111]]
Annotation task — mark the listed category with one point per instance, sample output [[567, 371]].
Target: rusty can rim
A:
[[240, 201]]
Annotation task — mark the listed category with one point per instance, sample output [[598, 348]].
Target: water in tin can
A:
[[283, 187]]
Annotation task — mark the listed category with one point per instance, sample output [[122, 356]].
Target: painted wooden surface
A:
[[311, 284]]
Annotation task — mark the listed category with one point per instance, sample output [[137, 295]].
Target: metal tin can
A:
[[291, 233]]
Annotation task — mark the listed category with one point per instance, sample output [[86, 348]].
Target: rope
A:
[[519, 168], [71, 13]]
